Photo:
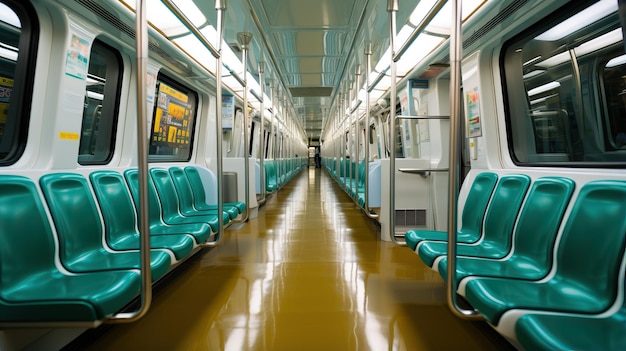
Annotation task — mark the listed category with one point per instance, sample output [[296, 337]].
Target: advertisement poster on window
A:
[[172, 118], [6, 88], [472, 108], [77, 58], [228, 111]]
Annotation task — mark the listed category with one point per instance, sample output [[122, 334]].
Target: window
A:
[[18, 39], [564, 81], [97, 139], [173, 121]]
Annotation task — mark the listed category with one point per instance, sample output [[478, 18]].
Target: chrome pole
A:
[[456, 40], [357, 130], [262, 159], [142, 151], [392, 8], [220, 8], [244, 39], [368, 68]]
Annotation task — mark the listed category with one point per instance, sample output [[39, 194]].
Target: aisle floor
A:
[[308, 274]]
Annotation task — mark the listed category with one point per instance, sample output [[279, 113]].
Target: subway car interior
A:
[[312, 175]]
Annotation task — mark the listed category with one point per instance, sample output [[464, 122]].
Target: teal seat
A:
[[567, 332], [171, 208], [271, 183], [189, 183], [200, 231], [498, 227], [32, 289], [534, 236], [79, 228], [472, 217], [120, 220], [587, 262]]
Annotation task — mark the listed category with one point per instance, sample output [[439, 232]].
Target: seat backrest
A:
[[476, 202], [195, 182], [132, 180], [74, 212], [183, 189], [166, 191], [591, 246], [115, 203], [540, 218], [270, 172], [26, 241], [504, 207], [361, 173]]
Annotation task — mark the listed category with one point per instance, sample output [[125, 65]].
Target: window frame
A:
[[20, 106], [512, 122], [111, 106], [174, 83]]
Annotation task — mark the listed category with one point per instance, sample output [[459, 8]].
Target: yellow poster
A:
[[171, 135]]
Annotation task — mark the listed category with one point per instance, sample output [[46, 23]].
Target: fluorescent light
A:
[[8, 54], [543, 88], [555, 60], [442, 20], [9, 16], [532, 60], [163, 19], [362, 95], [543, 99], [384, 62], [617, 61], [582, 19], [421, 47], [533, 73], [195, 49], [600, 42]]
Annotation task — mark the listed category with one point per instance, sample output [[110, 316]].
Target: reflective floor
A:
[[308, 274]]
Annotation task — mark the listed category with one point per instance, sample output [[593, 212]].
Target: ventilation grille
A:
[[502, 15], [411, 218], [491, 24]]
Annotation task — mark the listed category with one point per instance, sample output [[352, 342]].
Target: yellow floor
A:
[[308, 274]]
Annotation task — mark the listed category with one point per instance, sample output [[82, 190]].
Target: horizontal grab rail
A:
[[181, 16], [421, 117], [422, 170]]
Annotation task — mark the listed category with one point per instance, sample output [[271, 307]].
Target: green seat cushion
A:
[[587, 261], [120, 221], [33, 289], [563, 332], [471, 219], [79, 228], [498, 227], [158, 226], [534, 236]]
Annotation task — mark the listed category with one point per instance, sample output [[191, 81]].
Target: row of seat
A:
[[345, 172], [279, 172], [543, 266], [72, 254]]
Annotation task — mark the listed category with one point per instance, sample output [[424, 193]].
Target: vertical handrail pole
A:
[[392, 8], [272, 140], [220, 8], [244, 41], [262, 160], [357, 130], [368, 136], [456, 47], [142, 152]]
